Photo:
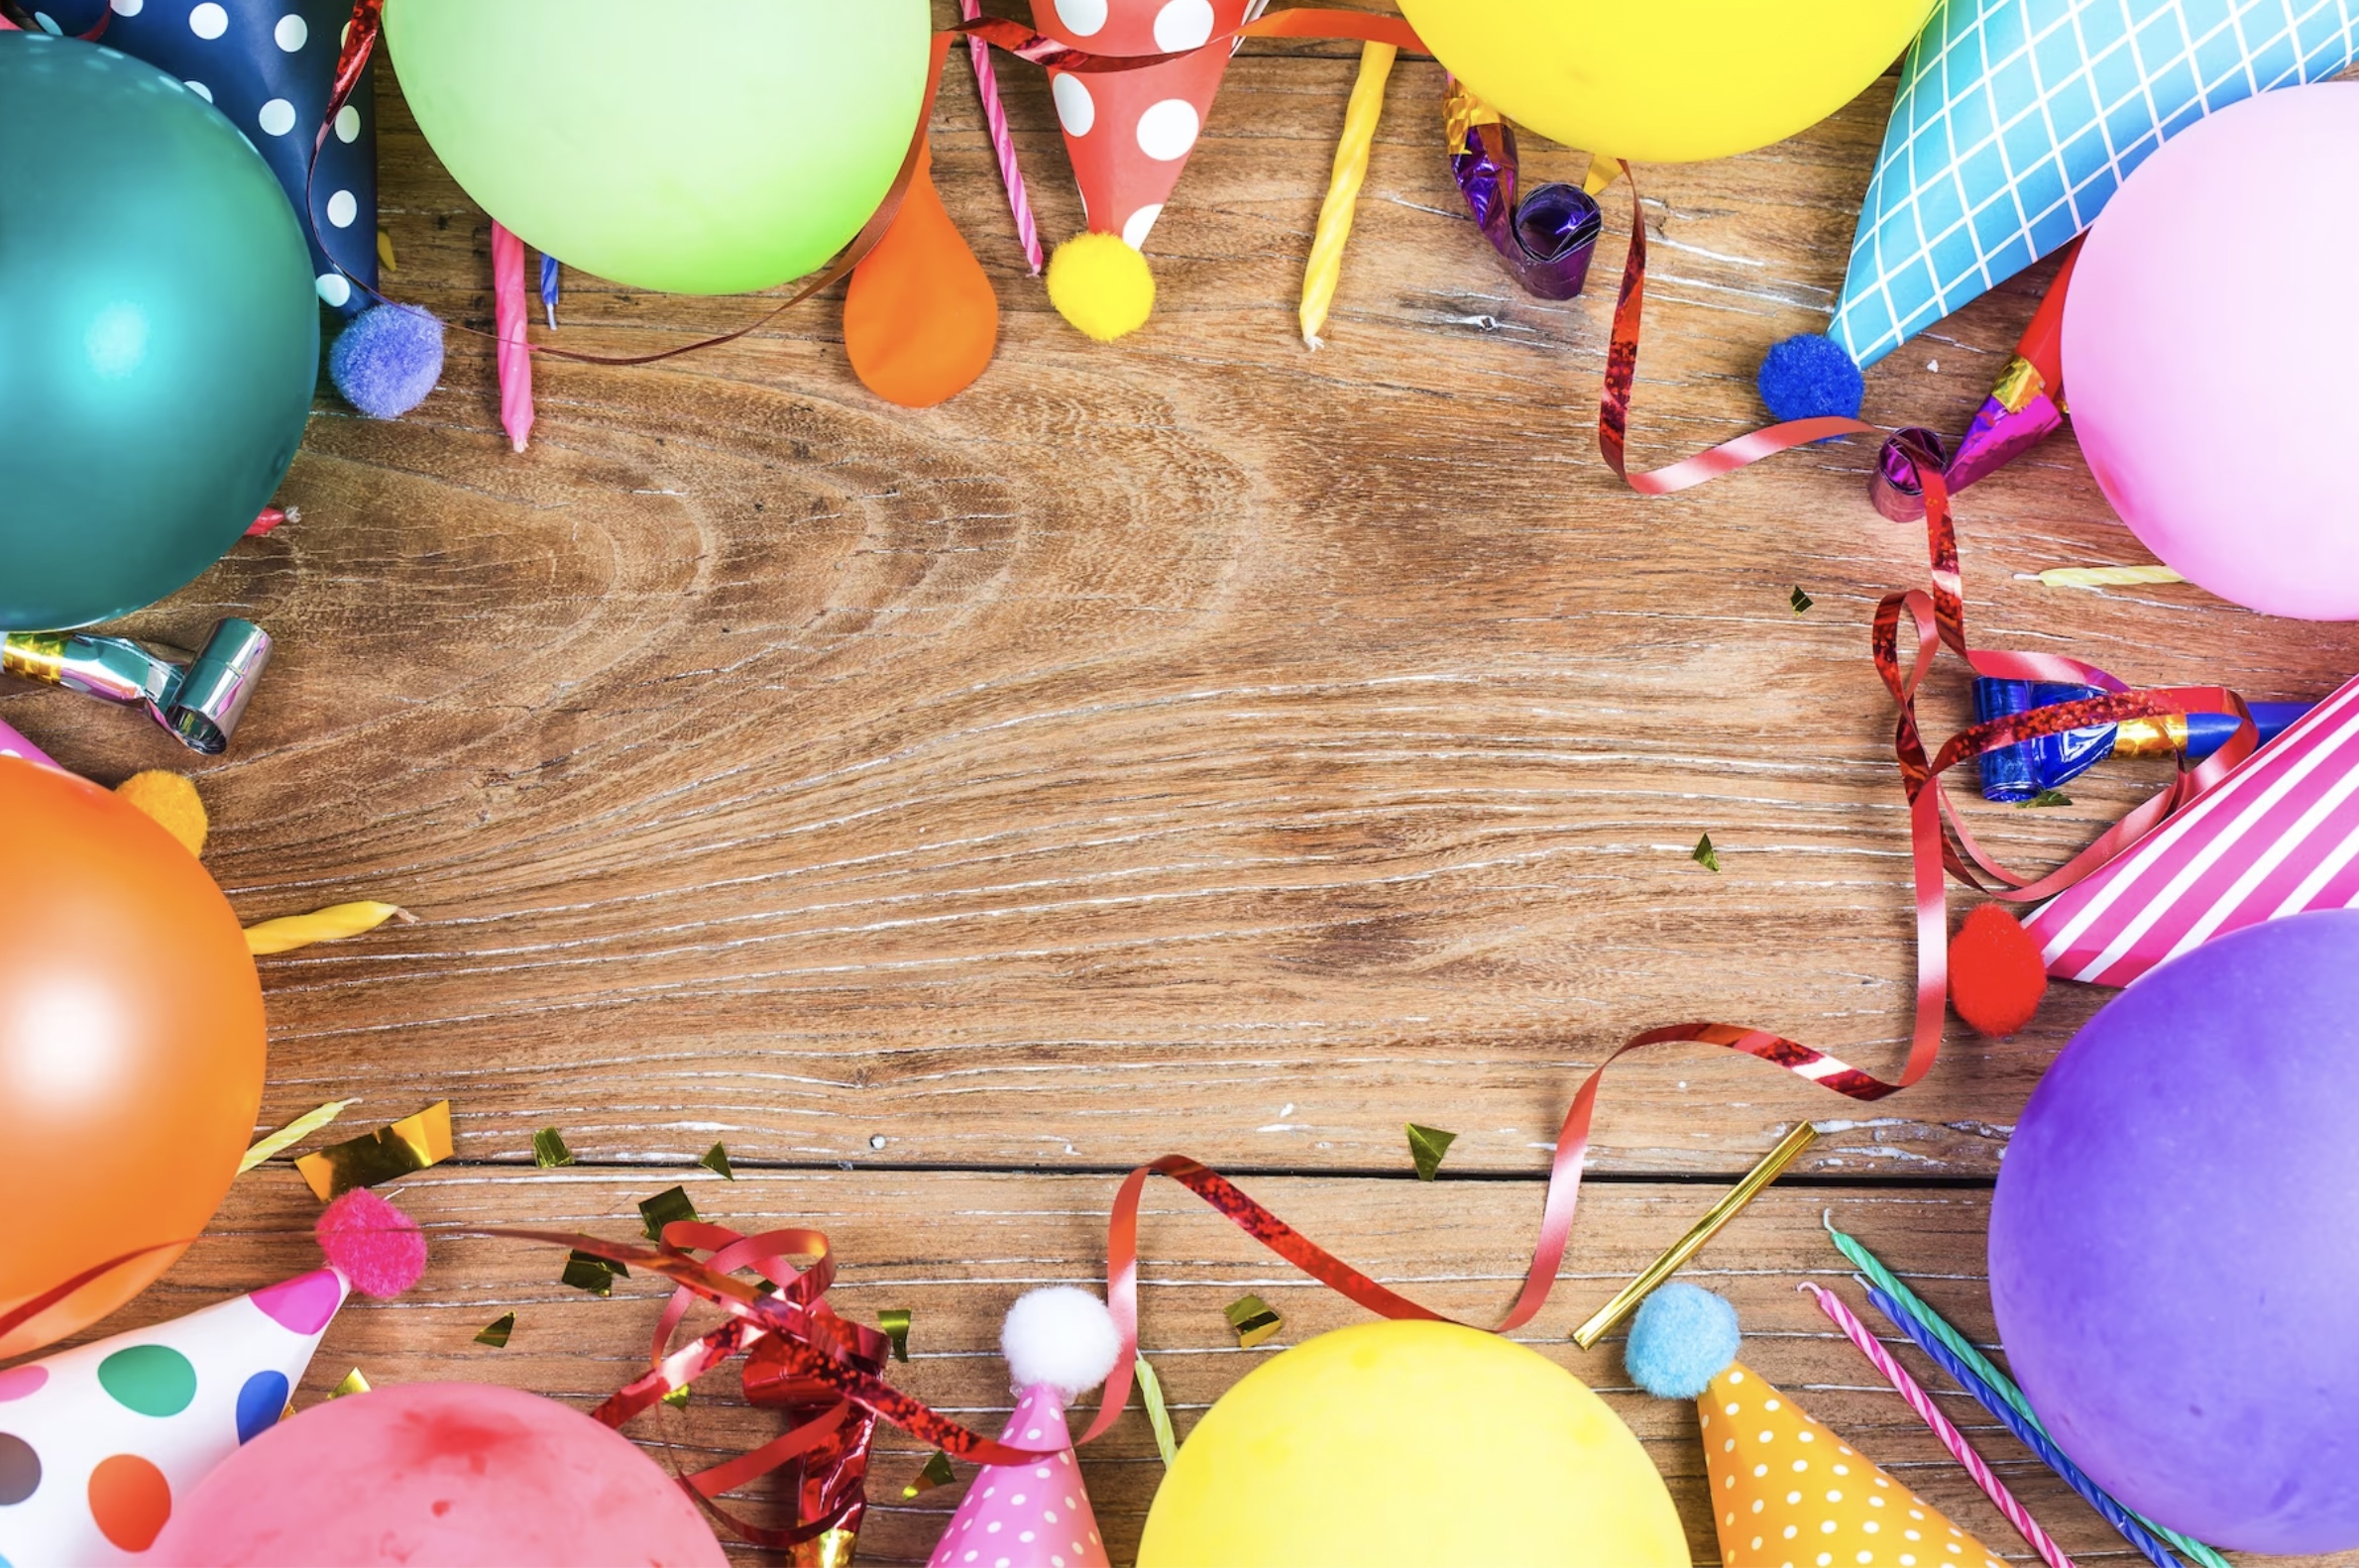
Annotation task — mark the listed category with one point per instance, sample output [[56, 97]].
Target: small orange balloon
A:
[[130, 1047], [919, 319]]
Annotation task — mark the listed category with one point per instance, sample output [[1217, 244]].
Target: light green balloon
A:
[[699, 146]]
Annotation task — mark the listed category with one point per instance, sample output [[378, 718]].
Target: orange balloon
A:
[[919, 319], [130, 1047]]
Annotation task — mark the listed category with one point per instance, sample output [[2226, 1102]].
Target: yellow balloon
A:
[[1424, 1443], [1667, 81]]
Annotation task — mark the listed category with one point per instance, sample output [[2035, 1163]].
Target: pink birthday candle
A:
[[13, 744], [996, 117], [509, 314], [1952, 1438]]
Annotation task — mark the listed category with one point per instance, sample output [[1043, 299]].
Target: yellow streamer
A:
[[2103, 576], [332, 923], [293, 1133], [1325, 266]]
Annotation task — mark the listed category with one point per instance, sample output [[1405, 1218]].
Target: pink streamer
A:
[[996, 117], [1952, 1438], [510, 314]]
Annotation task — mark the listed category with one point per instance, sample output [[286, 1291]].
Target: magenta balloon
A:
[[460, 1473], [2208, 343], [2174, 1241]]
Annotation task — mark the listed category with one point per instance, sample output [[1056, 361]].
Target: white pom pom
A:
[[1062, 1336]]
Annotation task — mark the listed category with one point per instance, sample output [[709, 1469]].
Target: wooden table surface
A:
[[1190, 745]]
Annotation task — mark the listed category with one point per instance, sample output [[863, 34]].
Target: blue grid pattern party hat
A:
[[2016, 120]]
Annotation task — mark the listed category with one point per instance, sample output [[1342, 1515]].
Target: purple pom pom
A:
[[1809, 376], [388, 360]]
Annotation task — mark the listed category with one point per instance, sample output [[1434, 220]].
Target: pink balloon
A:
[[460, 1473], [2209, 345]]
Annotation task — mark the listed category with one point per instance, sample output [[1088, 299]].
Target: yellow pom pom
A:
[[1102, 285], [172, 800]]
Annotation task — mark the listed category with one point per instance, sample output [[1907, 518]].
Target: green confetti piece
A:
[[678, 1398], [1426, 1146], [938, 1473], [495, 1332], [2048, 797], [1254, 1319], [715, 1160], [594, 1275], [1800, 599], [894, 1320], [664, 1207], [1151, 1396], [550, 1151], [1704, 854]]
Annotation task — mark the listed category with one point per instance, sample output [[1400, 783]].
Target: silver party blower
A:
[[199, 697]]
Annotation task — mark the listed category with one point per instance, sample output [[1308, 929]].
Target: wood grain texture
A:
[[1196, 743]]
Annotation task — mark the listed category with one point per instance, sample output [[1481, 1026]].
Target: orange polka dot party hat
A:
[[98, 1442], [1786, 1492]]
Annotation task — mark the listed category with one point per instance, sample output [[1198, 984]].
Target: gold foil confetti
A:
[[1800, 599], [1732, 1203], [495, 1332], [293, 1133], [678, 1398], [1426, 1146], [1704, 854], [385, 250], [332, 923], [1158, 1417], [1254, 1319], [353, 1382], [938, 1473], [894, 1320], [715, 1160], [594, 1275], [550, 1151], [665, 1207], [407, 1146]]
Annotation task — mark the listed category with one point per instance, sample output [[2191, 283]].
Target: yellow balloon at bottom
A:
[[1425, 1443], [1667, 81]]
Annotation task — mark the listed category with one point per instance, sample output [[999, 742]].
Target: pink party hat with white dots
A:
[[1786, 1491], [97, 1442], [1060, 1343]]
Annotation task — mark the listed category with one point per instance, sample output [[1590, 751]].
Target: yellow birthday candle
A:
[[1325, 266]]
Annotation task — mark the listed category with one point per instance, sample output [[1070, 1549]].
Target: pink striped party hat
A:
[[1059, 1343], [2280, 836]]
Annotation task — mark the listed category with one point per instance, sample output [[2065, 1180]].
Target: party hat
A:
[[2280, 835], [96, 1441], [268, 66], [2016, 121], [1786, 1492], [1059, 1343], [1129, 133]]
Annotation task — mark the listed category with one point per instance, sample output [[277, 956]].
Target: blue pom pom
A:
[[1809, 376], [388, 360], [1683, 1337]]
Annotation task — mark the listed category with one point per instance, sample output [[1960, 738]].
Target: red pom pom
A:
[[373, 1244], [1996, 979]]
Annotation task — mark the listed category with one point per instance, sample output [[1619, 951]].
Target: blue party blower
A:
[[2020, 772]]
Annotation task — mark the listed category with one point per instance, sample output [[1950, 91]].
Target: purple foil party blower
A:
[[1544, 235]]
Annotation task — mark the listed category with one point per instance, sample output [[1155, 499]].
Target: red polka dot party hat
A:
[[1786, 1492], [1060, 1342], [98, 1441], [1129, 133]]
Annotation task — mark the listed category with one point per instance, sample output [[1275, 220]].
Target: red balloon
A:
[[461, 1475], [130, 1047]]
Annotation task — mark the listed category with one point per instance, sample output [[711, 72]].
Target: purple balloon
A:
[[2174, 1241]]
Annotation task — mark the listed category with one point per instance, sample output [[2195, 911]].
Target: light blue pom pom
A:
[[387, 360], [1683, 1337]]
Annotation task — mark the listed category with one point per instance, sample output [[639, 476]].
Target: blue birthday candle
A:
[[548, 286]]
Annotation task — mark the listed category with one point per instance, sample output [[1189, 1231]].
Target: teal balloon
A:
[[158, 333]]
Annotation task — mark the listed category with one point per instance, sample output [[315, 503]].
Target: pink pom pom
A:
[[373, 1244]]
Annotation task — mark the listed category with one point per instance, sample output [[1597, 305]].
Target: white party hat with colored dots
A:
[[96, 1442], [1786, 1492], [1059, 1342]]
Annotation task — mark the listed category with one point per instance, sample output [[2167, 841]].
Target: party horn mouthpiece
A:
[[199, 697]]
